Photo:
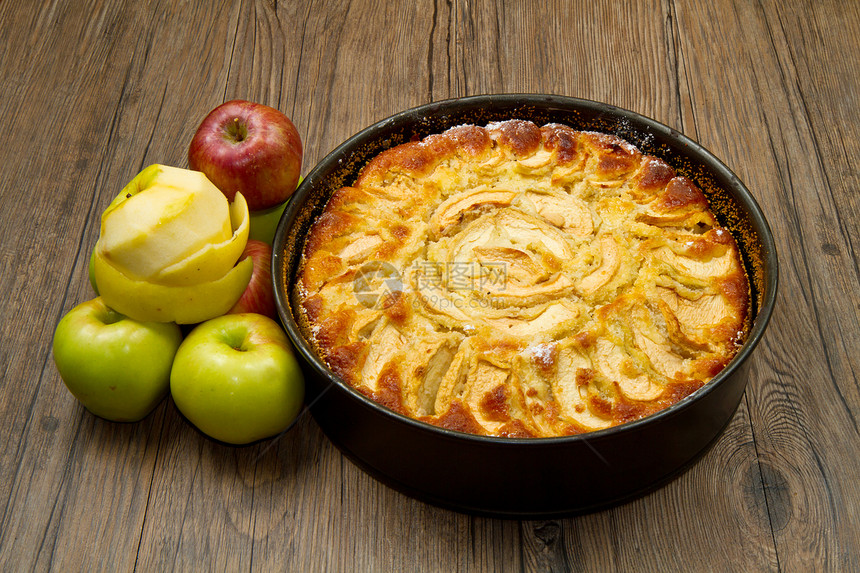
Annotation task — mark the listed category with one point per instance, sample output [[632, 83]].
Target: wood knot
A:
[[548, 532]]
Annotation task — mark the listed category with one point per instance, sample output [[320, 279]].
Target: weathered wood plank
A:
[[619, 53], [74, 481], [804, 403], [51, 180]]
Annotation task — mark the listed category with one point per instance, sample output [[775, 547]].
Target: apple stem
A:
[[236, 340], [110, 316], [237, 130]]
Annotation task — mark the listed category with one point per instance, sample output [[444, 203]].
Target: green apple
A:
[[265, 222], [92, 271], [236, 379], [117, 367]]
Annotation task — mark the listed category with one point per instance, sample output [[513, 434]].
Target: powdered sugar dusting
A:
[[540, 353]]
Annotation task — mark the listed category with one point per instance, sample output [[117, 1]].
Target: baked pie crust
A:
[[522, 281]]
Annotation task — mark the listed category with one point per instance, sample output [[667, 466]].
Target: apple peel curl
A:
[[152, 302]]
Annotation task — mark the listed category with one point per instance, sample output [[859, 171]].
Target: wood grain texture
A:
[[94, 91], [805, 403]]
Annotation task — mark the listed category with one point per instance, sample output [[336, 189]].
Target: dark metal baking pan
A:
[[527, 477]]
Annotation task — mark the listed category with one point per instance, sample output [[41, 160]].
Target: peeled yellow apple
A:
[[169, 247], [213, 260]]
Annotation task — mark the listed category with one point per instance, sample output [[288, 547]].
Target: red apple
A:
[[259, 296], [250, 148]]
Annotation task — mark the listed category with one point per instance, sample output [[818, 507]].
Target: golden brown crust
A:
[[522, 281]]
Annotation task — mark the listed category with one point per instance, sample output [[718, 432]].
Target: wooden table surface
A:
[[93, 91]]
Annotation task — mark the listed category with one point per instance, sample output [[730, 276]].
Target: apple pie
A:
[[522, 281]]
